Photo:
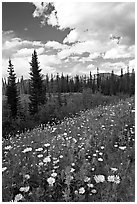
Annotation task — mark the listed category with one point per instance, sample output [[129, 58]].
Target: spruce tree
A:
[[37, 94], [11, 92]]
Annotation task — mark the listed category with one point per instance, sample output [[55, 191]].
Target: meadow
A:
[[89, 157]]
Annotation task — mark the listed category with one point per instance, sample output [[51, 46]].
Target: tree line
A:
[[41, 89]]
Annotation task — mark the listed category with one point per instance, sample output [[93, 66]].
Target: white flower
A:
[[100, 159], [114, 169], [54, 174], [28, 149], [99, 178], [40, 155], [122, 148], [93, 169], [25, 189], [4, 168], [47, 159], [86, 179], [90, 185], [47, 145], [8, 147], [51, 181], [94, 191], [71, 170], [76, 192], [81, 190], [61, 156], [102, 147], [27, 176], [40, 163], [113, 178], [117, 179], [39, 149], [18, 197], [65, 134]]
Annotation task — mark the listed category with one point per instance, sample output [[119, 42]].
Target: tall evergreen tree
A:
[[37, 94], [11, 92]]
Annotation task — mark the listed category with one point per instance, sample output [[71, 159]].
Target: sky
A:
[[69, 37]]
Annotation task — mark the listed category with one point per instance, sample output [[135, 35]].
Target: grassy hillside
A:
[[85, 158]]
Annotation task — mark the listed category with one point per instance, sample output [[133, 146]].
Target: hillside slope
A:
[[85, 158]]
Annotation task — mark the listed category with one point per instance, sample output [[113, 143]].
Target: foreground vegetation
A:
[[89, 157]]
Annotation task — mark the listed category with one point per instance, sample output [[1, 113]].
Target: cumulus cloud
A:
[[121, 51], [25, 52], [20, 52], [92, 20], [12, 45], [55, 45]]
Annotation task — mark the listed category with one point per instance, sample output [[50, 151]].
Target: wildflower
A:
[[47, 159], [94, 191], [115, 145], [102, 147], [25, 189], [40, 163], [100, 159], [61, 156], [90, 185], [114, 179], [100, 153], [122, 148], [99, 178], [55, 162], [47, 145], [87, 179], [40, 155], [27, 176], [65, 134], [117, 179], [72, 170], [81, 190], [18, 197], [4, 168], [39, 149], [94, 155], [8, 147], [114, 169], [54, 174], [28, 149], [76, 192], [51, 181], [93, 169]]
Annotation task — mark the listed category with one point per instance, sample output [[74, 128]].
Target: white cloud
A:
[[93, 20], [25, 52], [55, 45], [132, 64], [71, 37], [49, 60], [121, 51]]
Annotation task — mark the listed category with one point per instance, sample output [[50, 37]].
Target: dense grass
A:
[[53, 111], [85, 158]]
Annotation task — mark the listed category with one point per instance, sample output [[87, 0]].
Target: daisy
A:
[[81, 190], [99, 178], [51, 181]]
